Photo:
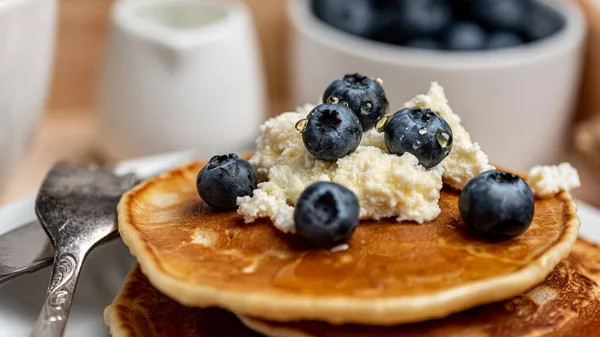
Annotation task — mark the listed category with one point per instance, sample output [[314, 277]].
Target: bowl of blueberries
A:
[[505, 64]]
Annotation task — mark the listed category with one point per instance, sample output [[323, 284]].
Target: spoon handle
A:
[[53, 317]]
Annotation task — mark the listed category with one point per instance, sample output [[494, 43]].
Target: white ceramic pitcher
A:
[[180, 74]]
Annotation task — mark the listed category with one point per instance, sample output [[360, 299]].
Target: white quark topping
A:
[[386, 185], [547, 181], [278, 143]]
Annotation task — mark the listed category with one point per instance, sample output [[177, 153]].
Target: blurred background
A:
[[93, 81]]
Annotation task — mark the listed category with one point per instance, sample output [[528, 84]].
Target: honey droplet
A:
[[366, 108], [379, 80], [443, 138], [333, 100], [382, 123], [345, 103], [422, 130], [301, 125]]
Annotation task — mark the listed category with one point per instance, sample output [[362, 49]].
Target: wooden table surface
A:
[[61, 135], [69, 135]]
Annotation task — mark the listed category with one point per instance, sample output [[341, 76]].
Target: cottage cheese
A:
[[386, 185], [547, 181]]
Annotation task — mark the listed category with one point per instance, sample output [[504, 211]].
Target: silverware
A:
[[25, 249], [76, 207]]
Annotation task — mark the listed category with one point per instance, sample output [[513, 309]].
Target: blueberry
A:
[[421, 132], [391, 34], [418, 18], [326, 214], [358, 17], [332, 131], [465, 36], [501, 14], [497, 205], [364, 95], [503, 40], [542, 23], [224, 179], [460, 9], [424, 43]]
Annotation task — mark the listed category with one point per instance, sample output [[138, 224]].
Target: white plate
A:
[[105, 270]]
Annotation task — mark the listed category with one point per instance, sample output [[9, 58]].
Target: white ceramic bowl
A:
[[27, 30], [516, 102]]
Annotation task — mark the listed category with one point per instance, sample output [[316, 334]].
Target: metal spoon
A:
[[76, 207], [24, 250]]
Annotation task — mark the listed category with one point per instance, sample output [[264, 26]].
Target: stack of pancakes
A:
[[205, 273]]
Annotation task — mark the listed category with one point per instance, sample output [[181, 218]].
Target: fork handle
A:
[[53, 316]]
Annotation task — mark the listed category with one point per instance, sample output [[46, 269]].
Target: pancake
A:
[[139, 310], [566, 304], [391, 274]]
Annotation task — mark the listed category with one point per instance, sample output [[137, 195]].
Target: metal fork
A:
[[76, 208]]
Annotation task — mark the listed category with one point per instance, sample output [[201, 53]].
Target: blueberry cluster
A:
[[327, 213], [356, 103], [442, 24], [494, 205]]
